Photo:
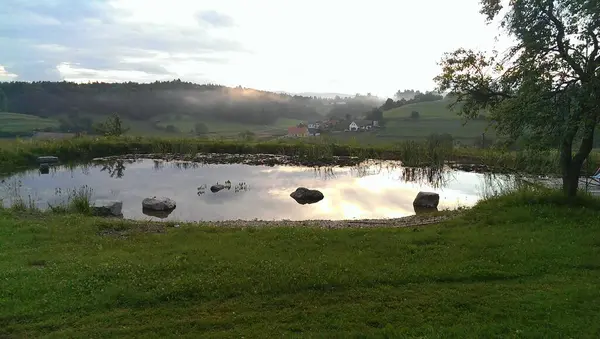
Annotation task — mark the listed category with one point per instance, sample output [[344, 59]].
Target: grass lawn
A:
[[23, 123], [531, 271]]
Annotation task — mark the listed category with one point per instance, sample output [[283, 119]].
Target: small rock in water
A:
[[303, 196], [158, 204], [216, 188], [426, 200], [107, 207]]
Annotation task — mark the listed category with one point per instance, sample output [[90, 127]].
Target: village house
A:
[[314, 125], [313, 132], [297, 131], [362, 125]]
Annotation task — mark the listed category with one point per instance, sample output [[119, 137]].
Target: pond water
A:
[[373, 189]]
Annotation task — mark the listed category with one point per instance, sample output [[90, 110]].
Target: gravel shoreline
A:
[[409, 221], [139, 226]]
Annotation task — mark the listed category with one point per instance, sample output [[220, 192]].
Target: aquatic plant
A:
[[77, 200]]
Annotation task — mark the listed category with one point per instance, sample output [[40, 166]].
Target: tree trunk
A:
[[570, 181], [571, 165]]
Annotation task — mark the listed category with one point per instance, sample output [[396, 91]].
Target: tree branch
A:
[[560, 41], [593, 57]]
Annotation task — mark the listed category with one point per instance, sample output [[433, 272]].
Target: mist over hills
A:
[[154, 101]]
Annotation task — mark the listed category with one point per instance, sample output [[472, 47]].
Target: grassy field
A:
[[529, 272], [23, 123], [434, 117], [232, 128]]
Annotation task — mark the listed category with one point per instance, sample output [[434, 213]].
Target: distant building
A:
[[357, 125], [297, 131], [313, 132], [315, 125]]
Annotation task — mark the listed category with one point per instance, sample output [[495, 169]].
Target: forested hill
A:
[[150, 101]]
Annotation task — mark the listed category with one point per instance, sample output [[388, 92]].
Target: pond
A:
[[370, 190]]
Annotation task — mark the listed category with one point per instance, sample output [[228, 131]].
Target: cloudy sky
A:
[[375, 46]]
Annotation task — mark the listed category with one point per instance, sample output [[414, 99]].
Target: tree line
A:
[[151, 101]]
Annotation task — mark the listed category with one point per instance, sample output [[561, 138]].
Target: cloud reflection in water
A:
[[372, 190]]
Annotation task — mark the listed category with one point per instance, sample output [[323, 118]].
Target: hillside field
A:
[[427, 110], [23, 123]]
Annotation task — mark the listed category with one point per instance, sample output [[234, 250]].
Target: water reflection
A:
[[157, 214], [373, 189], [115, 168]]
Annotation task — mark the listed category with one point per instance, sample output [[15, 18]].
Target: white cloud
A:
[[375, 46], [5, 75], [75, 73]]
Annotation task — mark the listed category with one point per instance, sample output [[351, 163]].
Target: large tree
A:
[[546, 87]]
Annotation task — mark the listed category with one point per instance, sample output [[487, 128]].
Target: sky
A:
[[376, 46]]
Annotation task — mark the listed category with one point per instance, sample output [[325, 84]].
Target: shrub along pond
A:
[[250, 187]]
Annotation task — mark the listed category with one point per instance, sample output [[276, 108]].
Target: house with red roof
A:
[[297, 131]]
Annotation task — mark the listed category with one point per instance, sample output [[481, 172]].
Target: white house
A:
[[360, 125], [314, 125]]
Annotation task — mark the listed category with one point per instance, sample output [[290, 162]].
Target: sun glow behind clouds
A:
[[5, 75], [377, 46]]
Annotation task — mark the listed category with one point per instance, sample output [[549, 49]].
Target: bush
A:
[[171, 129], [200, 128]]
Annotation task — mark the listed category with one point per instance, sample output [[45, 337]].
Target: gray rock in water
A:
[[47, 159], [426, 200], [158, 204], [303, 196], [216, 188], [107, 207]]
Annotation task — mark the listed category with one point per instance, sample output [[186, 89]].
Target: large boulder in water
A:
[[107, 208], [303, 196], [426, 200], [47, 159], [158, 204]]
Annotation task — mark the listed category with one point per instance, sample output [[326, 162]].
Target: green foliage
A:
[[409, 97], [375, 114], [548, 96], [3, 101], [247, 135], [200, 128], [113, 126], [538, 258], [171, 129], [414, 115]]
